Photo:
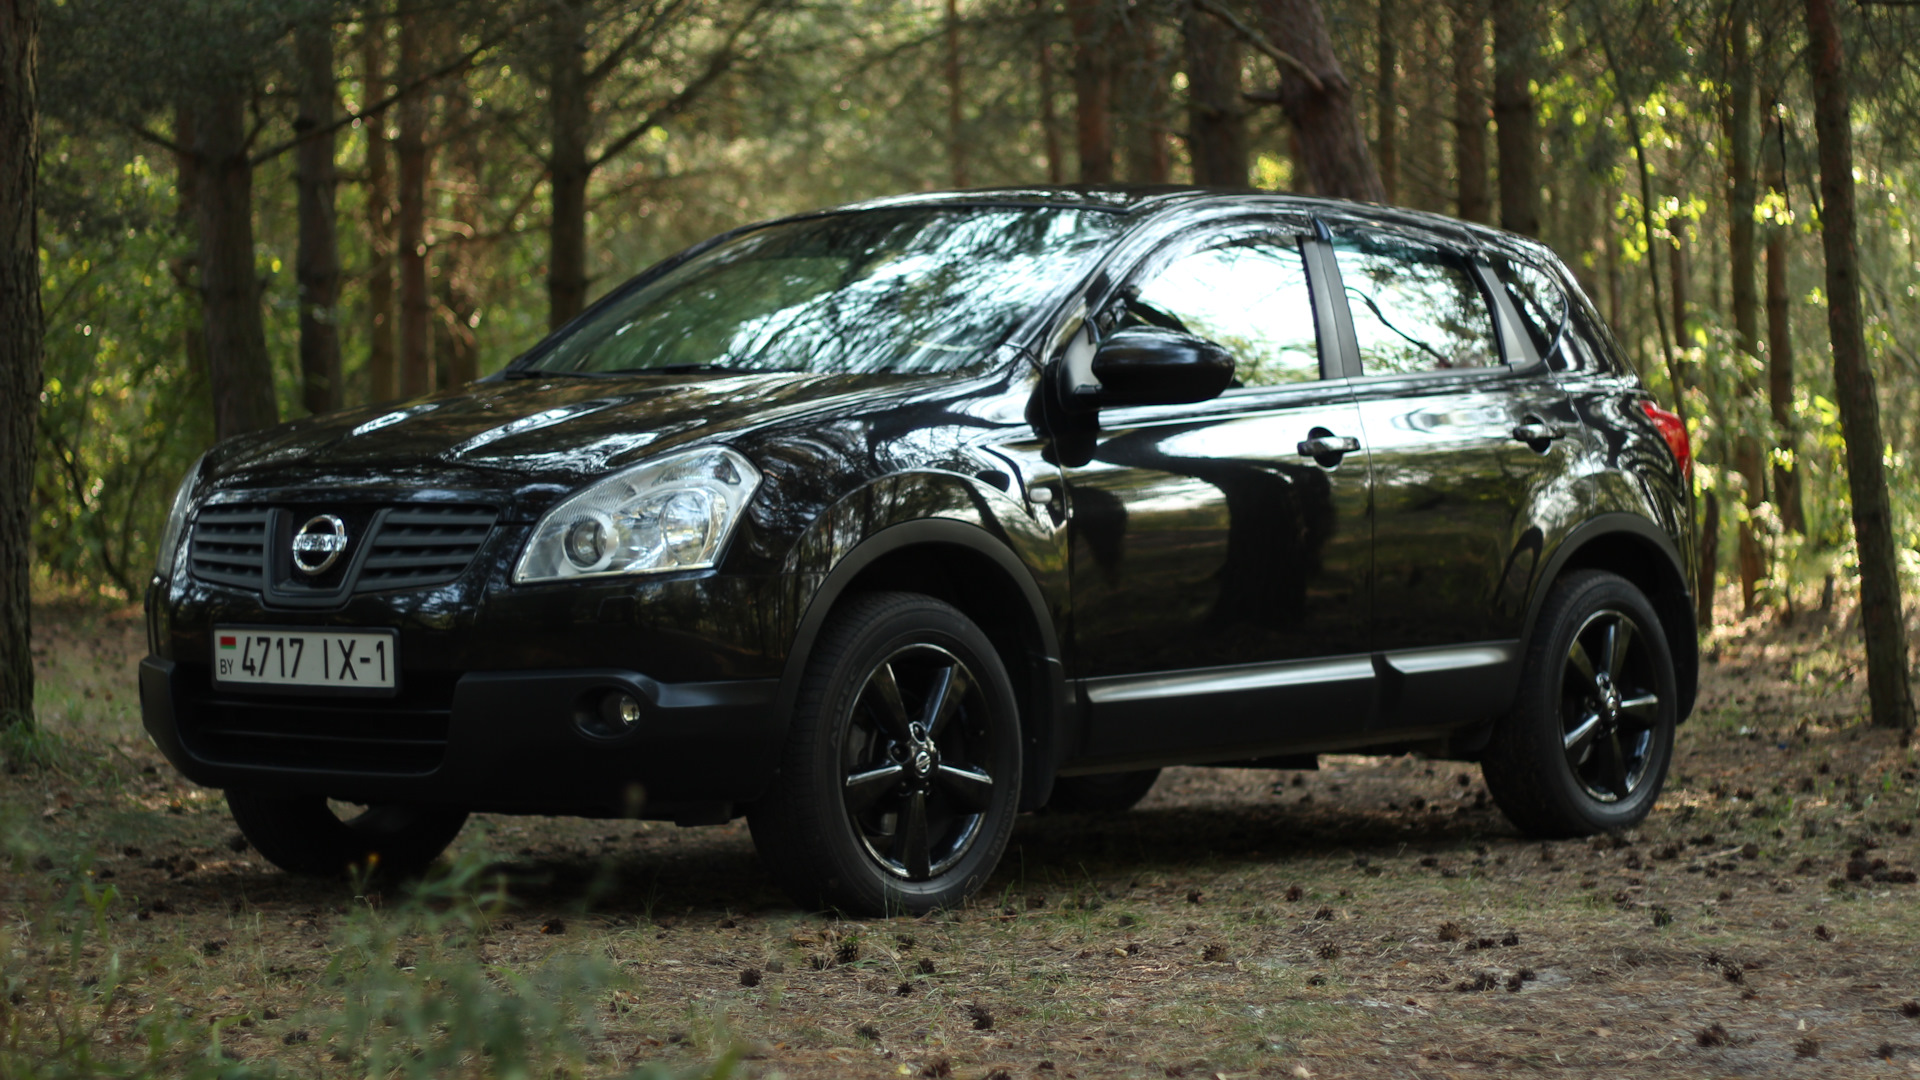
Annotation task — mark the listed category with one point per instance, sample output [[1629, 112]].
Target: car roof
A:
[[1148, 200]]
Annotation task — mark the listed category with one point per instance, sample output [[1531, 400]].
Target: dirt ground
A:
[[1374, 918]]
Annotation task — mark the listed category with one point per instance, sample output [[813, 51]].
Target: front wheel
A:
[[901, 777], [302, 835], [1587, 744]]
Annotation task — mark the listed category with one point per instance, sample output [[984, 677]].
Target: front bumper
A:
[[503, 741]]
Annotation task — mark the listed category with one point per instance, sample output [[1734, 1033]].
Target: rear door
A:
[[1467, 431], [1220, 576]]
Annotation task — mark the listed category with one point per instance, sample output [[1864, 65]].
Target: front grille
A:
[[230, 545], [425, 545], [400, 736], [400, 547]]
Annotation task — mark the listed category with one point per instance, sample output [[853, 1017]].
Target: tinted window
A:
[[1541, 305], [1415, 307], [911, 290], [1251, 298]]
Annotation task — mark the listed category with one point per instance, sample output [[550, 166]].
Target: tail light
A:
[[1674, 430]]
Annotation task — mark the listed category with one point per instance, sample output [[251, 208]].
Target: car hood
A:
[[536, 435]]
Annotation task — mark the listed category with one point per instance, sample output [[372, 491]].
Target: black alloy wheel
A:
[[1586, 745], [912, 791], [901, 777], [1608, 707]]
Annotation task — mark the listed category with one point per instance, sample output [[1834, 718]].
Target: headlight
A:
[[176, 522], [671, 514]]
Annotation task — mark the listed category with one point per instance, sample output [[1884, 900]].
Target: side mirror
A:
[[1151, 365]]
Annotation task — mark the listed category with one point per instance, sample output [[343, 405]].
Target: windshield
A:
[[920, 289]]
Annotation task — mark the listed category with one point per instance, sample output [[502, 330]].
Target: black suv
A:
[[883, 524]]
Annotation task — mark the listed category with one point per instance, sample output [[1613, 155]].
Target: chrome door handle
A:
[[1536, 432], [1324, 445]]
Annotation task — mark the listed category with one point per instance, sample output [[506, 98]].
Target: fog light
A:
[[614, 714]]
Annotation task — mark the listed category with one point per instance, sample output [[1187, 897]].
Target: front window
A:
[[911, 290]]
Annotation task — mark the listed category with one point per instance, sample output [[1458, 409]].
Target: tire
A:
[[302, 835], [1109, 793], [1587, 745], [879, 741]]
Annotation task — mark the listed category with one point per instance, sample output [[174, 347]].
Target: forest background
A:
[[253, 210]]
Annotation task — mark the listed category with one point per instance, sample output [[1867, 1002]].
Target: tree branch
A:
[[157, 139], [1259, 41], [717, 65], [463, 62]]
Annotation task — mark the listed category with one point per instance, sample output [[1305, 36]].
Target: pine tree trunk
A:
[[1469, 49], [21, 343], [568, 168], [455, 347], [317, 265], [238, 365], [1148, 159], [1387, 103], [416, 309], [1216, 117], [1888, 685], [1049, 119], [383, 383], [1332, 146], [1749, 458], [1786, 475], [1516, 125], [1092, 79], [956, 143], [1709, 560]]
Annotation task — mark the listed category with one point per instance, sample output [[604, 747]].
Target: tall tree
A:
[[956, 145], [416, 159], [1148, 158], [1049, 120], [20, 345], [1888, 687], [1737, 115], [1516, 51], [240, 369], [1092, 85], [1387, 99], [1469, 53], [383, 382], [1786, 474], [1318, 99], [317, 264], [1216, 116]]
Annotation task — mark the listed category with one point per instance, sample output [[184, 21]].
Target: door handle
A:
[[1325, 445], [1536, 432]]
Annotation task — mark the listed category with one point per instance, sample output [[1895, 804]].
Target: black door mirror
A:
[[1152, 365]]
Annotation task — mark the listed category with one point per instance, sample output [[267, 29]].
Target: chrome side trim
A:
[[1454, 658], [1225, 680]]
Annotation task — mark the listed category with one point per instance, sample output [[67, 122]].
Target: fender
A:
[[1685, 646], [935, 509]]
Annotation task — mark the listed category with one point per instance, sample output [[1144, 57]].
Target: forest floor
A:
[[1374, 918]]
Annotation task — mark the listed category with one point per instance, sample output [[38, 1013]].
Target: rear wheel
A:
[[901, 778], [1587, 744], [1108, 793], [302, 835]]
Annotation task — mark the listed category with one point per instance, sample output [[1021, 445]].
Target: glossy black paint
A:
[[1221, 580]]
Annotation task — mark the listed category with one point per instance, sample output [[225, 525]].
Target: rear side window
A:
[[1536, 298], [1249, 297], [1415, 307]]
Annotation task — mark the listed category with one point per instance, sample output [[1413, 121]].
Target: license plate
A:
[[340, 659]]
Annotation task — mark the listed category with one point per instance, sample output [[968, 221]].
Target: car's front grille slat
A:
[[407, 547], [230, 546]]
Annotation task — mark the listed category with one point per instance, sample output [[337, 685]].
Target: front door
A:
[[1220, 574]]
